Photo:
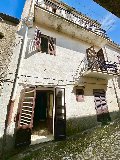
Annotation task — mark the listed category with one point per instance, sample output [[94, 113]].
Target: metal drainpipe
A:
[[17, 75], [20, 63]]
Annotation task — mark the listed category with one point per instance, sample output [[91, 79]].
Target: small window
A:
[[45, 43], [54, 10], [79, 95], [1, 35]]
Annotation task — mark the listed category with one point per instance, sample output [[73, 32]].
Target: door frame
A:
[[44, 88]]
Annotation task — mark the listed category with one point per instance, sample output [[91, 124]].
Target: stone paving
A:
[[102, 143]]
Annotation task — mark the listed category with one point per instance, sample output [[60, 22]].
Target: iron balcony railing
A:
[[69, 15], [100, 66]]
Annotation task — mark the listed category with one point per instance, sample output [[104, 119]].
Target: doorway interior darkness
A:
[[42, 122]]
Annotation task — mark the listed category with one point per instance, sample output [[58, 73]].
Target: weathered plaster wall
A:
[[60, 70], [44, 69], [112, 54], [69, 53]]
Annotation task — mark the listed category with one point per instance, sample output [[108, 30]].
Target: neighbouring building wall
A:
[[8, 28], [6, 45], [6, 91]]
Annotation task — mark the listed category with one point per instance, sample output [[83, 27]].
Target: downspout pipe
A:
[[20, 62], [18, 70]]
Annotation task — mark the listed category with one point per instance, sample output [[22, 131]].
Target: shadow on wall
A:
[[31, 49], [7, 147], [9, 150], [76, 125]]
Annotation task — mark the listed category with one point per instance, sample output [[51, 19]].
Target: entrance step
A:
[[35, 139]]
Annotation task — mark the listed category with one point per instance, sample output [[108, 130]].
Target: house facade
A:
[[63, 77]]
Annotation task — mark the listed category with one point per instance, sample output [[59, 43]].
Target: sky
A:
[[109, 22]]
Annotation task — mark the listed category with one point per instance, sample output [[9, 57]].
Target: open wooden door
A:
[[50, 111], [60, 114], [25, 118]]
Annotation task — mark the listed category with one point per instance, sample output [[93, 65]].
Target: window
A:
[[54, 10], [1, 35], [79, 95], [45, 43]]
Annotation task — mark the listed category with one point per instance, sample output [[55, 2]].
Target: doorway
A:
[[43, 114], [35, 122]]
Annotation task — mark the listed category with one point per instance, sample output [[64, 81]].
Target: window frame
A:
[[50, 40], [1, 35], [79, 96]]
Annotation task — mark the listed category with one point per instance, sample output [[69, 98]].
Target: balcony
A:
[[94, 65], [67, 20]]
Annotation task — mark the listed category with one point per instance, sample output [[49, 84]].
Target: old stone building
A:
[[8, 28], [63, 76]]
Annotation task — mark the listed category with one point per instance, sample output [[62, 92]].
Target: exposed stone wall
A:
[[6, 46], [12, 53]]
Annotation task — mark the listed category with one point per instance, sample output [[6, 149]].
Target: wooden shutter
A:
[[52, 46], [25, 119], [60, 114], [101, 60], [91, 57], [37, 39], [100, 102], [27, 109]]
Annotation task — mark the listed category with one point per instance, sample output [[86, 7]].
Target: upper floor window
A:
[[45, 43]]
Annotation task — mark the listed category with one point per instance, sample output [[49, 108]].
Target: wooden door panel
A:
[[60, 114], [50, 111]]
